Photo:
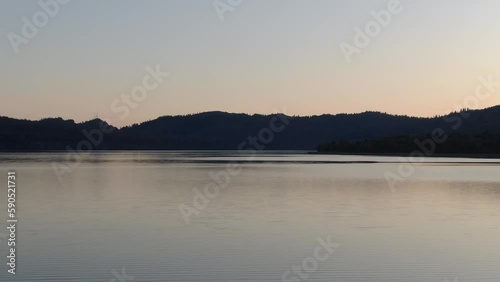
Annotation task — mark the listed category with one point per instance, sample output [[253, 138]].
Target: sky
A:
[[245, 56]]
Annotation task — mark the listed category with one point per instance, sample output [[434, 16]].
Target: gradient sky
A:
[[265, 56]]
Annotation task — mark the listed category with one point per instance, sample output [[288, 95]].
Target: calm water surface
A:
[[118, 211]]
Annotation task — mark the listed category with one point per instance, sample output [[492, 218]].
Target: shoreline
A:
[[464, 155], [300, 152]]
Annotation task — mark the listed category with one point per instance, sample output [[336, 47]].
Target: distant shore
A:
[[300, 152], [465, 155]]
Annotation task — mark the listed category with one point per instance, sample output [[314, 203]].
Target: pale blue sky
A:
[[265, 55]]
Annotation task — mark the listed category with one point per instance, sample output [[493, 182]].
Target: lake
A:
[[277, 216]]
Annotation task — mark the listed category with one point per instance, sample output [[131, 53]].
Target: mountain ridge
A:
[[220, 130]]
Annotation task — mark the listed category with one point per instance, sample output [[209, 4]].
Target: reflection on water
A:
[[118, 210]]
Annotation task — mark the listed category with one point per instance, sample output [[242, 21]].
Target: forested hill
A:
[[220, 130]]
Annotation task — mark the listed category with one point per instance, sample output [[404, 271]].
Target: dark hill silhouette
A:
[[220, 130], [457, 144]]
